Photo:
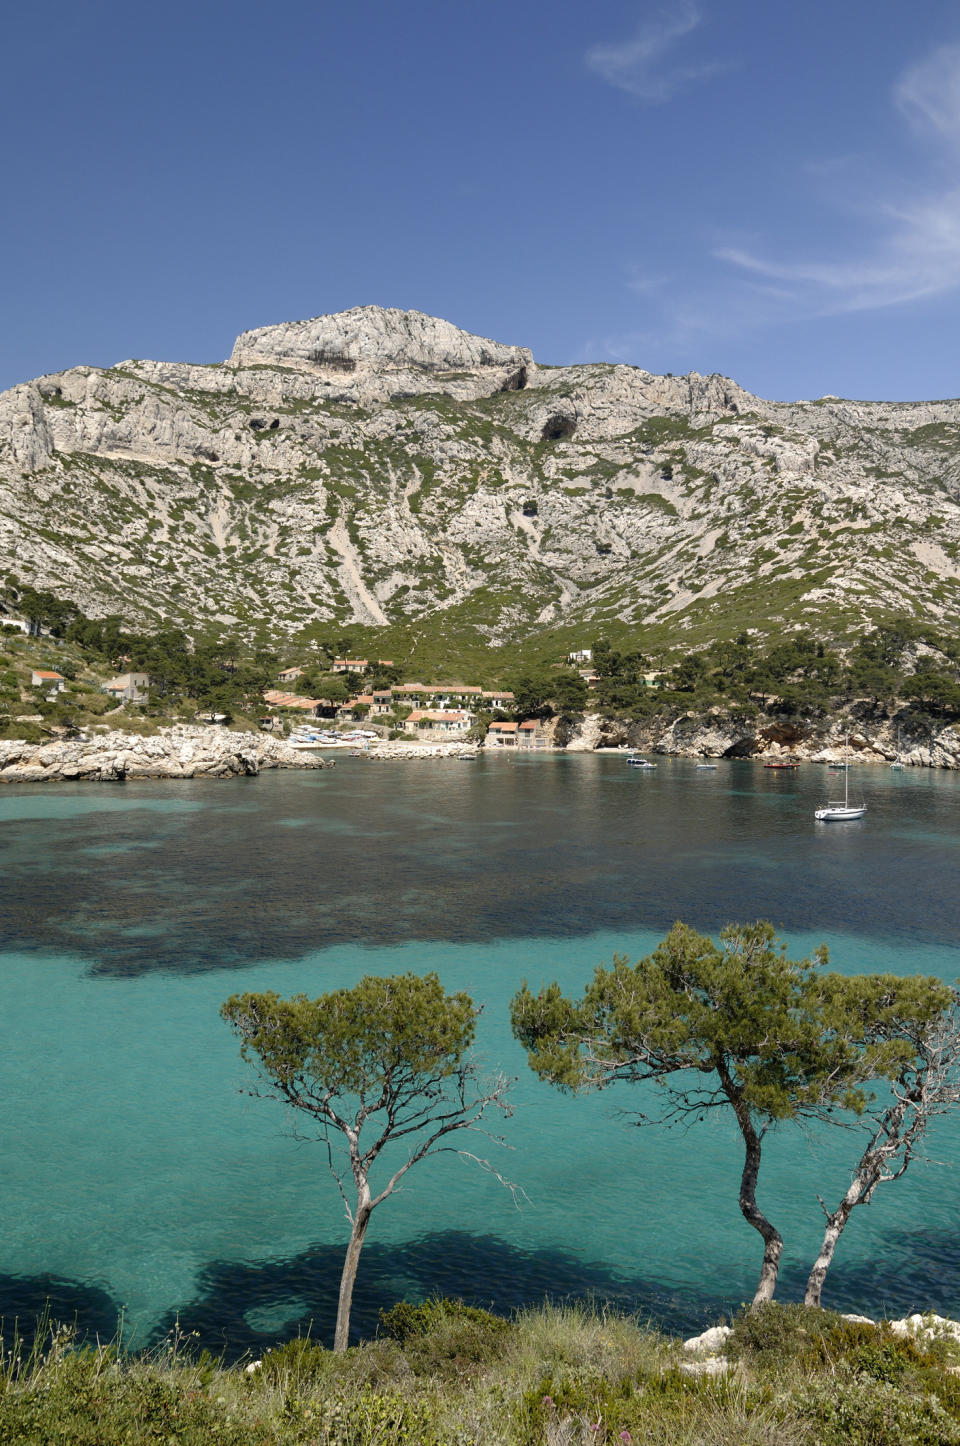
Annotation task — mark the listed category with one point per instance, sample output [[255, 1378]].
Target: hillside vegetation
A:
[[905, 671]]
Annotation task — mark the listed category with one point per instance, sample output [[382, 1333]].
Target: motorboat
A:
[[707, 767], [640, 763]]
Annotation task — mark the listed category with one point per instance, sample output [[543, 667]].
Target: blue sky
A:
[[767, 190]]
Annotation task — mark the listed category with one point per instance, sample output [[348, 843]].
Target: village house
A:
[[438, 721], [359, 665], [498, 700], [289, 675], [501, 735], [452, 695], [364, 700], [446, 695], [128, 687], [409, 695], [43, 678], [382, 702], [314, 706], [582, 655], [530, 734]]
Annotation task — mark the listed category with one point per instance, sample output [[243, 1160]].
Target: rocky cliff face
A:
[[383, 466], [694, 736]]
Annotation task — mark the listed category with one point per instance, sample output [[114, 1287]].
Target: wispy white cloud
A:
[[928, 93], [642, 65], [913, 246]]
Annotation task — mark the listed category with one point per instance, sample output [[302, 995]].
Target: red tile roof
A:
[[503, 727], [289, 700], [436, 715]]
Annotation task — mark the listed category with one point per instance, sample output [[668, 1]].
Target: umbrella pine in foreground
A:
[[737, 1025], [387, 1061]]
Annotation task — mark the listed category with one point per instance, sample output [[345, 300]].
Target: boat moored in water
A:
[[836, 812]]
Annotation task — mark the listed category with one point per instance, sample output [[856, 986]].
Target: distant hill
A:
[[383, 468]]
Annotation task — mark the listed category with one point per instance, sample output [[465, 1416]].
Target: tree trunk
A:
[[831, 1235], [868, 1175], [750, 1210], [361, 1220], [886, 1142], [772, 1239]]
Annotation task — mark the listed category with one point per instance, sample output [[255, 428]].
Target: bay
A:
[[137, 1175]]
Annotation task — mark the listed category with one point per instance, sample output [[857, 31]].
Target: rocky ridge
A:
[[385, 467]]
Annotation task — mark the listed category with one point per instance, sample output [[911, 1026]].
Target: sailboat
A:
[[838, 812], [896, 763]]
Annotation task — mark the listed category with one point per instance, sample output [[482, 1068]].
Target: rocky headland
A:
[[180, 752]]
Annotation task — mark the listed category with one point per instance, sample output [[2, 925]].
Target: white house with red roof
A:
[[450, 721], [501, 735], [45, 678]]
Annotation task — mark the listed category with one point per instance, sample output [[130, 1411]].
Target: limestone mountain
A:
[[386, 468]]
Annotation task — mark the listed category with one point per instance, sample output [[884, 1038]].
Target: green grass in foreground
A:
[[444, 1374]]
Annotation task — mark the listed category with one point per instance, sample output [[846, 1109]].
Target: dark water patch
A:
[[29, 1302], [297, 1296], [284, 865]]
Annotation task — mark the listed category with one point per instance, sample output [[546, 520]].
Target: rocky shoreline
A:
[[716, 736], [180, 752], [189, 751]]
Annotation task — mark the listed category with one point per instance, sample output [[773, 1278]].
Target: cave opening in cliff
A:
[[556, 428], [516, 382]]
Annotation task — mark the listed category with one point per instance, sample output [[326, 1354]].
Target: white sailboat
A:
[[897, 763], [835, 812]]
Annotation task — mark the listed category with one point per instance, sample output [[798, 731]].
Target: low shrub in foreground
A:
[[446, 1374], [444, 1337]]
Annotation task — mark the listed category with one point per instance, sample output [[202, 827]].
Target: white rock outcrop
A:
[[374, 338], [709, 1341], [180, 752]]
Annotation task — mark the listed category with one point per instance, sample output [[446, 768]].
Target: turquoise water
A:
[[138, 1175]]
